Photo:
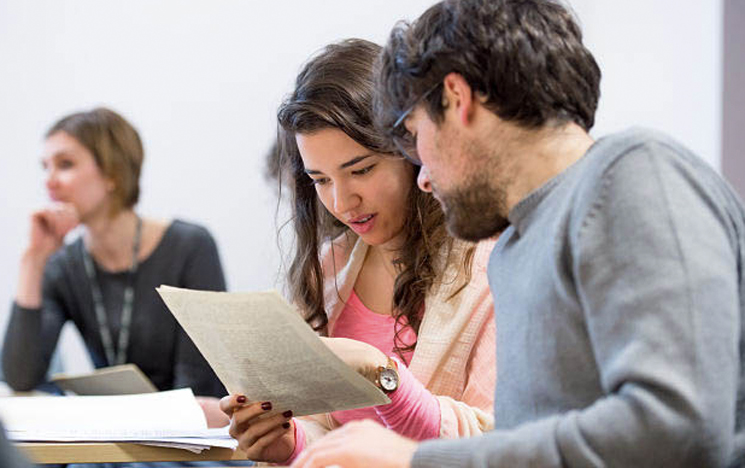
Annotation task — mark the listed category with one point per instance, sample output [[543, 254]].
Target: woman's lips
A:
[[362, 224]]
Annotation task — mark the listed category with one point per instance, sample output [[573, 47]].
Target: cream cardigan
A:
[[454, 356]]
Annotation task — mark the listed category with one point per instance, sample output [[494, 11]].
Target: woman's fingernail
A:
[[286, 425], [287, 414], [241, 399], [266, 406]]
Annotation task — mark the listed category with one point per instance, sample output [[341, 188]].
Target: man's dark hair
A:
[[525, 56]]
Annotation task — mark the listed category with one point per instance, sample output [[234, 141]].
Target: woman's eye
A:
[[364, 170], [65, 164], [321, 181]]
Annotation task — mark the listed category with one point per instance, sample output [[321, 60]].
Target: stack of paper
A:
[[172, 418]]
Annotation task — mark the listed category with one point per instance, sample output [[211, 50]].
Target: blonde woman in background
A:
[[104, 282]]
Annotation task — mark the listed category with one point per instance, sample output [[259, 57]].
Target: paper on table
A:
[[174, 413], [260, 347], [216, 437], [125, 379]]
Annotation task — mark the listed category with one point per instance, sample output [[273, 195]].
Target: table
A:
[[100, 452], [75, 452]]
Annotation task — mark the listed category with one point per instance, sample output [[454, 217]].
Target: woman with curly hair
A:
[[374, 271]]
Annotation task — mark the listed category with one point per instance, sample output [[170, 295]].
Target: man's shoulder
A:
[[641, 170], [622, 147], [626, 157]]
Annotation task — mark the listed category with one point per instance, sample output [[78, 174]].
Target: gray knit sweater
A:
[[619, 298]]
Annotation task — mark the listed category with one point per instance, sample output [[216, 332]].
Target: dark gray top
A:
[[619, 296], [185, 257], [9, 455]]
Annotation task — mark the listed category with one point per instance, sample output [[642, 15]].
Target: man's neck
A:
[[538, 156]]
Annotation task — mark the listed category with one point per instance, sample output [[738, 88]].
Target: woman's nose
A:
[[51, 178], [344, 198]]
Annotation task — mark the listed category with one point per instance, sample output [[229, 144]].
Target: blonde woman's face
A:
[[72, 176], [366, 191]]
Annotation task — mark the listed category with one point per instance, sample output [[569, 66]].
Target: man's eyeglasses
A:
[[405, 142]]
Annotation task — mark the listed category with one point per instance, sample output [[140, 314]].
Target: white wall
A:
[[201, 80], [662, 67]]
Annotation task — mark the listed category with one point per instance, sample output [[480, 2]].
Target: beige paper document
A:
[[126, 379], [260, 347]]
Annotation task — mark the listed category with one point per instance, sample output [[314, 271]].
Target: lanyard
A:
[[129, 293]]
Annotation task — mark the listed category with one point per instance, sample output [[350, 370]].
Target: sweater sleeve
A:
[[418, 414], [32, 335], [472, 415], [656, 274], [202, 271], [413, 411]]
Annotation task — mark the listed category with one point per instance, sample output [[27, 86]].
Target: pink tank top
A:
[[362, 324], [413, 411]]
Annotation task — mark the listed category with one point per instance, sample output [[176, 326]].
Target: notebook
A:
[[125, 379]]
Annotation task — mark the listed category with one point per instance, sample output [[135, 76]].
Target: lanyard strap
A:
[[129, 292]]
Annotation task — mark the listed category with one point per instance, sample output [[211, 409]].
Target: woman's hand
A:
[[212, 412], [268, 438], [49, 227], [360, 356]]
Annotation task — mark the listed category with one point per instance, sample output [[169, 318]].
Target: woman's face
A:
[[74, 177], [367, 191]]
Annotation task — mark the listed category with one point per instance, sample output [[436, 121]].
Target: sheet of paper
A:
[[174, 413], [259, 346], [125, 379], [218, 437]]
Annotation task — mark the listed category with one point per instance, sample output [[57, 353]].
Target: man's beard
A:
[[476, 211]]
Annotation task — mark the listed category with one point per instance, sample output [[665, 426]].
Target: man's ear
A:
[[459, 97]]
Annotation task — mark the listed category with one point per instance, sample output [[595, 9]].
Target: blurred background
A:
[[201, 81]]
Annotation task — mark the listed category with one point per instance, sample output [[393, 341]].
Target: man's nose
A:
[[423, 181]]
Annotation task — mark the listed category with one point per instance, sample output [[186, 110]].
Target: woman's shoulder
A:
[[482, 252], [461, 255], [337, 251], [181, 232], [175, 237], [463, 265]]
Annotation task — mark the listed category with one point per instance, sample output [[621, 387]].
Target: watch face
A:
[[388, 380]]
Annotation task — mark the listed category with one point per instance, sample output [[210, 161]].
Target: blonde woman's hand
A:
[[48, 228], [360, 356], [268, 438]]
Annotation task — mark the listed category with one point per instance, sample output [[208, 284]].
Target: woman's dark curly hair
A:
[[334, 90]]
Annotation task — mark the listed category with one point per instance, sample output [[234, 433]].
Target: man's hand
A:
[[359, 444]]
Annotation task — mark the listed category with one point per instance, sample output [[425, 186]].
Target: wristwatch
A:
[[387, 377]]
